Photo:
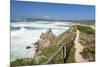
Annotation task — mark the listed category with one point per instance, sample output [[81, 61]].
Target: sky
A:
[[22, 9]]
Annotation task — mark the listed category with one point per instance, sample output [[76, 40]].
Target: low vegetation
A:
[[89, 53], [71, 57], [21, 62], [87, 39], [85, 29], [50, 50]]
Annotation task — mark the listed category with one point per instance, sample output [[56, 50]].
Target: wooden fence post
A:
[[65, 54]]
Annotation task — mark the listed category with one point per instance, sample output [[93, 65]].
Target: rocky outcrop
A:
[[49, 39], [46, 39]]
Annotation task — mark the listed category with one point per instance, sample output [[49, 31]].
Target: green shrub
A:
[[89, 53], [85, 29]]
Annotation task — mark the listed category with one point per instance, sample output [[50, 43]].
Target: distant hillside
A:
[[88, 22]]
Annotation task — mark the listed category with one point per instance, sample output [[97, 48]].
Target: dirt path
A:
[[79, 48], [93, 27]]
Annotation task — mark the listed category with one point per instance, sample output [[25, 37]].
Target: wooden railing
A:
[[63, 49]]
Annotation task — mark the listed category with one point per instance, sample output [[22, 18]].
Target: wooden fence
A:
[[63, 49]]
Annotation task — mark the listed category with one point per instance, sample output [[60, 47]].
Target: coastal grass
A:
[[58, 59], [45, 54], [50, 50], [71, 57], [85, 29], [88, 43], [21, 62], [89, 53]]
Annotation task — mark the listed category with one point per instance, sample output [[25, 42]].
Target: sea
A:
[[25, 34]]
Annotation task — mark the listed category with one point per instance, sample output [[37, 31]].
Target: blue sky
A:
[[22, 9]]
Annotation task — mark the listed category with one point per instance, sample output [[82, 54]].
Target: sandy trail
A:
[[79, 48], [93, 27]]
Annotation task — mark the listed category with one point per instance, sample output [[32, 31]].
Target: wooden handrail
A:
[[62, 48]]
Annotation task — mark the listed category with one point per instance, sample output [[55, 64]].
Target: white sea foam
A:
[[24, 37]]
